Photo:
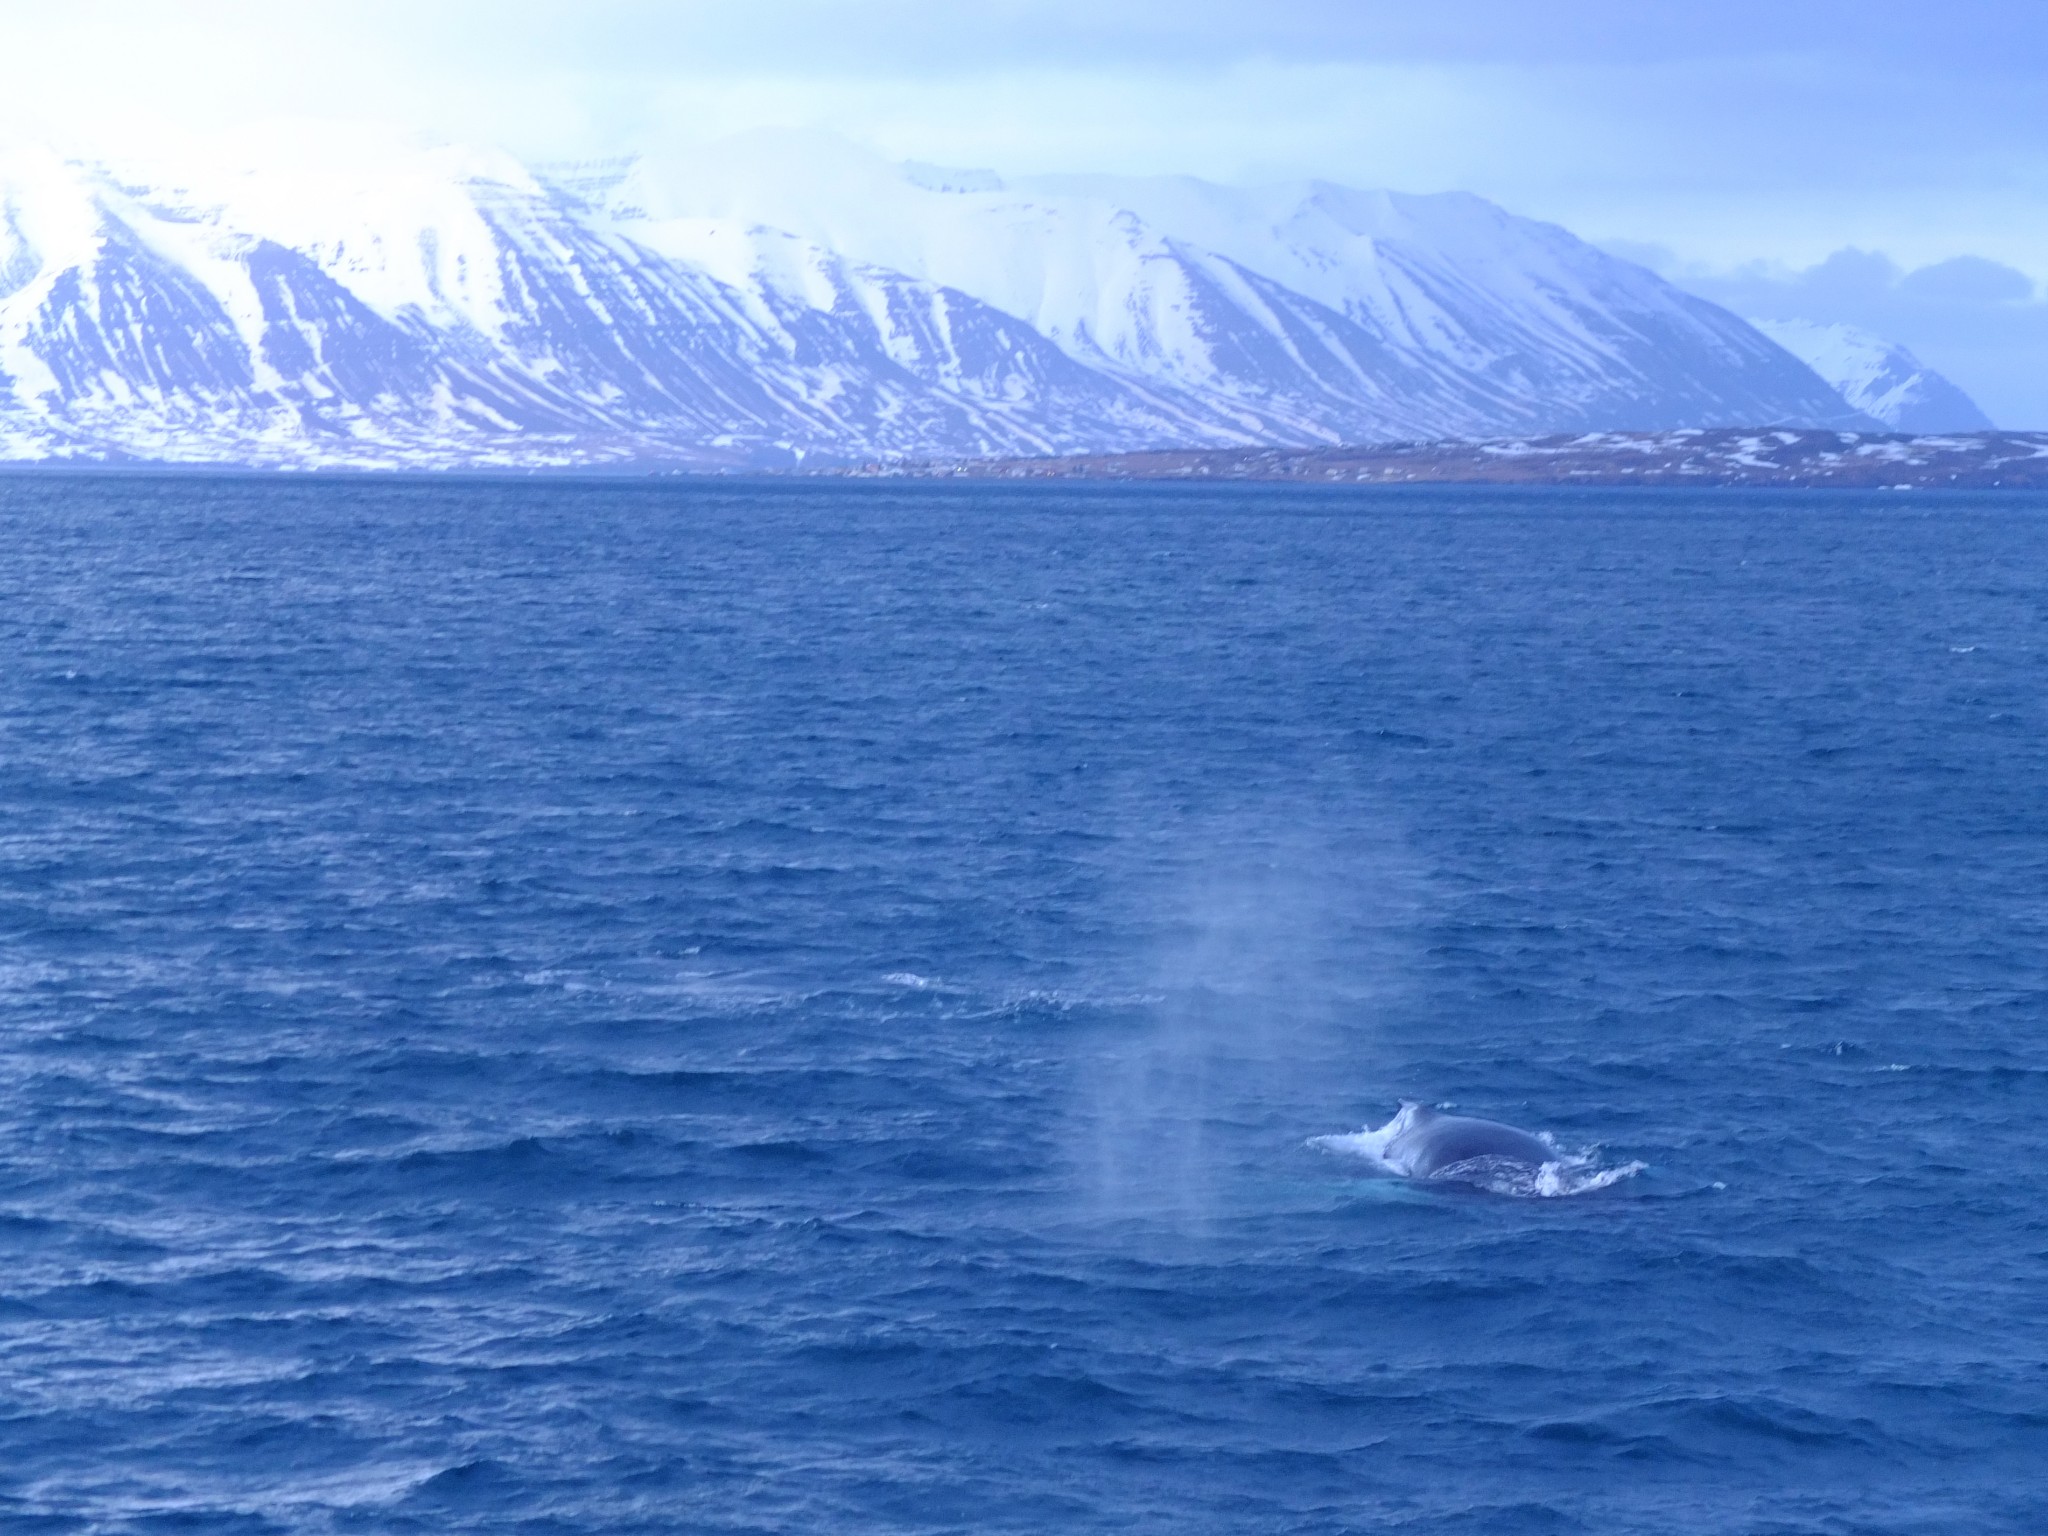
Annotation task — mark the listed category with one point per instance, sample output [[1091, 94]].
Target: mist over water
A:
[[1280, 942], [569, 1008]]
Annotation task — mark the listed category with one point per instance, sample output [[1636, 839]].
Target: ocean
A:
[[628, 1006]]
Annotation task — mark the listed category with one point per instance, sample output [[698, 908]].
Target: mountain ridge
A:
[[393, 306]]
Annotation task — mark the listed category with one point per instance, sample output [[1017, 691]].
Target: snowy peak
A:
[[789, 297], [1439, 315], [1878, 377]]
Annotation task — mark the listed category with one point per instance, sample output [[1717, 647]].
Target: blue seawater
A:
[[547, 1006]]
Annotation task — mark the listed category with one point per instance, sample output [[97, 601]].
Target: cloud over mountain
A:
[[1979, 322]]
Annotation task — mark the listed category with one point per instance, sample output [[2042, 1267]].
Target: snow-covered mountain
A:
[[781, 299], [1302, 313], [1878, 377]]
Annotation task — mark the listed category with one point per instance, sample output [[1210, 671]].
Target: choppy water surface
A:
[[617, 1008]]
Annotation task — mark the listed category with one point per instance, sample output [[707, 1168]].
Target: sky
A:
[[1823, 158]]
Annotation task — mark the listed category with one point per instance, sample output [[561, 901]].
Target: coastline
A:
[[1784, 458]]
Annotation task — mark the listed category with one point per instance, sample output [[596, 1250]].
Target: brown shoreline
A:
[[1763, 457]]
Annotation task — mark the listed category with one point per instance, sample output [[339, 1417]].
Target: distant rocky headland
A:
[[1786, 458]]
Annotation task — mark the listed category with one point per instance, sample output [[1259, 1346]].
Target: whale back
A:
[[1429, 1141]]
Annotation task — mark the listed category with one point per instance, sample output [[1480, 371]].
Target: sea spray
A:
[[1273, 945]]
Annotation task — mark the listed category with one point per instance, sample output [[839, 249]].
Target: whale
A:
[[1429, 1145], [1422, 1142]]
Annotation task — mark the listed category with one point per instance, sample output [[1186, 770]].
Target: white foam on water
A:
[[1370, 1144]]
